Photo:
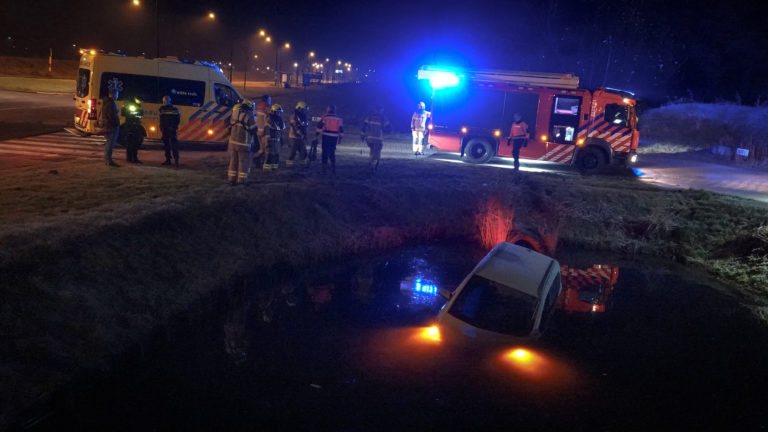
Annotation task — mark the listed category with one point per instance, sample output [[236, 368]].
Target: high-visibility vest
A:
[[519, 130], [331, 125]]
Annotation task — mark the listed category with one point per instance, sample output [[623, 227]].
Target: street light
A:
[[262, 33], [211, 15]]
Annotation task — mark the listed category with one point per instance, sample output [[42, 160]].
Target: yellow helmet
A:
[[277, 108], [247, 103], [301, 105]]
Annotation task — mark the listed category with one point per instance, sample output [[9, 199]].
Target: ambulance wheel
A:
[[590, 160], [478, 151]]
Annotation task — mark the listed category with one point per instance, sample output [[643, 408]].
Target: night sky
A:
[[703, 50]]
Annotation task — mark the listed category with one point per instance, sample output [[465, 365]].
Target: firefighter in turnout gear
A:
[[169, 124], [274, 134], [298, 133], [331, 130], [241, 141], [373, 130], [518, 136], [419, 127], [262, 113]]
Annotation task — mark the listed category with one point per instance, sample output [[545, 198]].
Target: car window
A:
[[83, 79], [183, 92], [492, 306], [225, 95]]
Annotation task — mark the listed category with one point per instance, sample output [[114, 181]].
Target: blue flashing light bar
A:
[[439, 78]]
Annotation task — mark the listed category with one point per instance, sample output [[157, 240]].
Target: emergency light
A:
[[439, 79]]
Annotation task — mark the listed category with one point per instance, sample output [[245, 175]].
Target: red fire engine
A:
[[472, 113]]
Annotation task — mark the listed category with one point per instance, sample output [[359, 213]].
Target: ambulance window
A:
[[224, 95], [141, 87], [183, 92], [83, 80], [567, 105], [617, 114]]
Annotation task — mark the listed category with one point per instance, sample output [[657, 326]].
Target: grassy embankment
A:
[[93, 259]]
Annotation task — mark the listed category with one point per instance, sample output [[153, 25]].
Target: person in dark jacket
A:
[[169, 124], [372, 133], [110, 121]]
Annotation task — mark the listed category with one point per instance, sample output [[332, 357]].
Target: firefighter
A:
[[274, 136], [169, 124], [262, 113], [518, 136], [298, 133], [372, 134], [241, 141], [418, 127], [331, 130]]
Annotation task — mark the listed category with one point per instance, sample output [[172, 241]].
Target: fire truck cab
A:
[[472, 113]]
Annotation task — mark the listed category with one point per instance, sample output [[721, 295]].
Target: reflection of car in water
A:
[[510, 294], [587, 289]]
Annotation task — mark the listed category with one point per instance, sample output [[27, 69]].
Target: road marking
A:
[[55, 144]]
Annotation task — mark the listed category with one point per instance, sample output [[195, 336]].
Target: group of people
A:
[[109, 121], [257, 133]]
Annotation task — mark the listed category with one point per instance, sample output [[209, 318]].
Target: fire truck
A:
[[472, 113]]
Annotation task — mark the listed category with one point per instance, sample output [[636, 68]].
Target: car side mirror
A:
[[444, 293]]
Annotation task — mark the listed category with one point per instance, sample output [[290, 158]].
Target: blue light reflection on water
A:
[[419, 290]]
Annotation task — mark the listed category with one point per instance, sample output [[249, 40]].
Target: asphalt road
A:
[[30, 114], [26, 114]]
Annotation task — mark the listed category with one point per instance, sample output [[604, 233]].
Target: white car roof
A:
[[516, 267]]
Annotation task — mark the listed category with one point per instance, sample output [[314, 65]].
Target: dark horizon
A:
[[705, 51]]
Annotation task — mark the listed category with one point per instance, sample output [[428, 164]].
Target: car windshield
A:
[[492, 306]]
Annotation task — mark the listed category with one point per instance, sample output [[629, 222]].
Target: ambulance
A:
[[201, 92]]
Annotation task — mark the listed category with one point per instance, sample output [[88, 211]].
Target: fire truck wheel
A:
[[590, 160], [478, 151]]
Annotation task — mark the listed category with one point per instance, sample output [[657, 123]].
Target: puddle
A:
[[348, 346]]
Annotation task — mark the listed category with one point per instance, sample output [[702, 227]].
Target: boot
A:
[[176, 162], [167, 161]]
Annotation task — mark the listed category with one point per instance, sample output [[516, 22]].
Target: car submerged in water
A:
[[509, 296]]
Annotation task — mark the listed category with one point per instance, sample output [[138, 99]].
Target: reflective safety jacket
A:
[[331, 125], [243, 127], [419, 120], [169, 118], [298, 122], [374, 125], [519, 130]]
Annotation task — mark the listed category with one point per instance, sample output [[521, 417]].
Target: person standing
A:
[[373, 135], [262, 114], [331, 130], [169, 124], [518, 136], [297, 133], [419, 127], [274, 136], [109, 119], [241, 140]]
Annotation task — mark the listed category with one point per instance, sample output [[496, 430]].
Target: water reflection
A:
[[587, 289]]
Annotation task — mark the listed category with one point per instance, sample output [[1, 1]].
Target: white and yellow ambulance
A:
[[201, 92]]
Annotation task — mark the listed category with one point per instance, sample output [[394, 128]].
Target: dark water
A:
[[340, 347]]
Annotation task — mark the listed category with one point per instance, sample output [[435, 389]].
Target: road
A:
[[31, 125], [26, 114]]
